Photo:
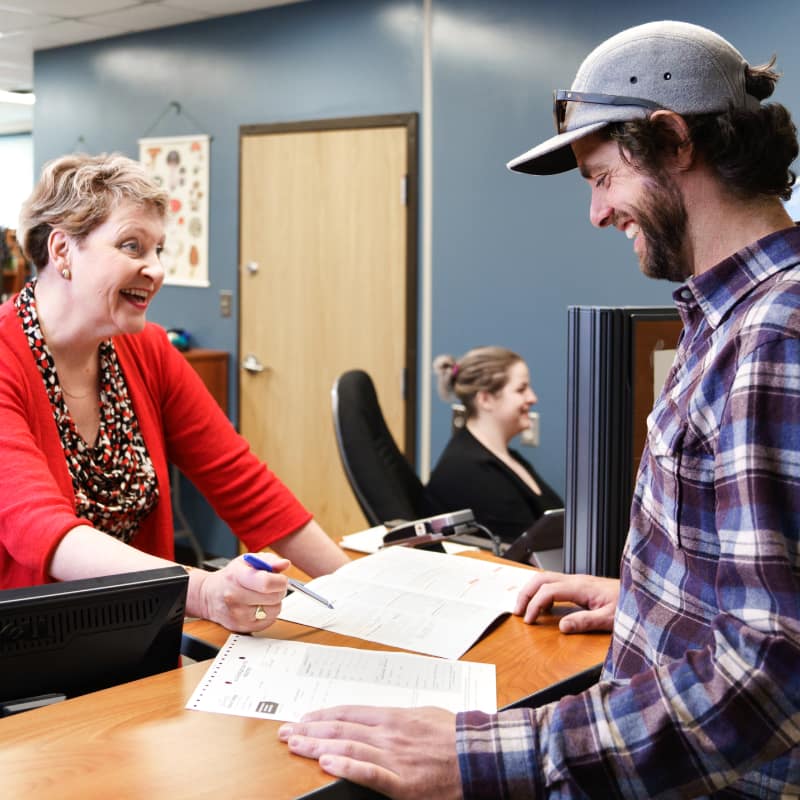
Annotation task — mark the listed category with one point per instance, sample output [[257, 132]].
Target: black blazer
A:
[[468, 475]]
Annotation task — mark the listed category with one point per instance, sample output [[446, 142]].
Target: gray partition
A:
[[609, 394]]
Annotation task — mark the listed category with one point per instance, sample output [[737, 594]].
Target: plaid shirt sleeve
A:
[[497, 754], [702, 690]]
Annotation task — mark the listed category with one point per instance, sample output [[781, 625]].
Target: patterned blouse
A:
[[114, 481]]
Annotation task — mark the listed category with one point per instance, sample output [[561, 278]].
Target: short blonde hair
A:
[[76, 193], [483, 369]]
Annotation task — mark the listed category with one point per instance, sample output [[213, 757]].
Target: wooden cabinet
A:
[[212, 367]]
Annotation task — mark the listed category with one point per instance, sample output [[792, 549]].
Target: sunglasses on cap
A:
[[563, 96]]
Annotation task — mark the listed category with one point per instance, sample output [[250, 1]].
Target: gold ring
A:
[[260, 613]]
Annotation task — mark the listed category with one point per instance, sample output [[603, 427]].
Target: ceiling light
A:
[[20, 98]]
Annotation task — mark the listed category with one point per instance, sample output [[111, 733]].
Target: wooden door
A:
[[327, 284]]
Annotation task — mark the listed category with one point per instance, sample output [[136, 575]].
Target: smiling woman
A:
[[478, 469], [95, 403]]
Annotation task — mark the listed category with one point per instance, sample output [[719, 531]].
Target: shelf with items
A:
[[13, 266]]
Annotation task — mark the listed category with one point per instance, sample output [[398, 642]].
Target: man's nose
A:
[[600, 210]]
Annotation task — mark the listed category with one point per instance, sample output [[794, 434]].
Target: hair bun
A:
[[446, 368]]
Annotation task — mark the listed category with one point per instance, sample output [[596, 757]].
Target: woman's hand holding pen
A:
[[239, 597]]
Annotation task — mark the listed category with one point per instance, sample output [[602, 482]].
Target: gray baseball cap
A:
[[671, 65]]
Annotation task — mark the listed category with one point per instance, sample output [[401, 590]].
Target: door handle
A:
[[252, 364]]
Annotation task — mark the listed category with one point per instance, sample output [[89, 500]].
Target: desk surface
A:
[[138, 741]]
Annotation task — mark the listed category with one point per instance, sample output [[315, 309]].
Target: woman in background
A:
[[477, 469], [95, 403]]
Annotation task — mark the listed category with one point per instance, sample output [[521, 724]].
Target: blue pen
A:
[[257, 563]]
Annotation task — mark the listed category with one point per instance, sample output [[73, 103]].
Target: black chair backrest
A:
[[382, 480]]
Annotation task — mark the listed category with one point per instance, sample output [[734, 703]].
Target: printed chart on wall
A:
[[180, 164]]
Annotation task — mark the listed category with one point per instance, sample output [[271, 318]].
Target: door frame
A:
[[408, 121]]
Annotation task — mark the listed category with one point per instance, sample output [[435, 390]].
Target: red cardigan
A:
[[181, 424]]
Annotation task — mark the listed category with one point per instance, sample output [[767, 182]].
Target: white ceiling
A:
[[28, 25]]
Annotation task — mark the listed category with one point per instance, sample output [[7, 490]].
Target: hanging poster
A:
[[180, 164]]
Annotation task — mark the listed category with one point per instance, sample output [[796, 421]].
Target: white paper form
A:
[[415, 599], [254, 676]]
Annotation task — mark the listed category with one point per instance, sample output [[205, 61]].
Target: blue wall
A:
[[510, 252], [284, 64]]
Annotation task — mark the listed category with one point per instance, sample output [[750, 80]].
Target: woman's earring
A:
[[66, 274]]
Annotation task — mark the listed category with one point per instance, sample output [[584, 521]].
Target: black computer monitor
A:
[[75, 637], [542, 544]]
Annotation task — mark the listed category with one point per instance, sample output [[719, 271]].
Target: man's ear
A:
[[675, 125], [58, 246]]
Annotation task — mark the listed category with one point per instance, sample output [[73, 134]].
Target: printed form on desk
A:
[[414, 599], [254, 676]]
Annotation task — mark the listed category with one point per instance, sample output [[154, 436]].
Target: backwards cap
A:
[[672, 65]]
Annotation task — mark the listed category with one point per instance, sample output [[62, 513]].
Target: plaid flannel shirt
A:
[[700, 694]]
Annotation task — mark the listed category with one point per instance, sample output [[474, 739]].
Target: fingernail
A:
[[285, 731], [567, 626]]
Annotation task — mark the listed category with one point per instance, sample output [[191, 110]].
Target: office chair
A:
[[384, 483]]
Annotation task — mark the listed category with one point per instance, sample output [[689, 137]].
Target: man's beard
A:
[[662, 219]]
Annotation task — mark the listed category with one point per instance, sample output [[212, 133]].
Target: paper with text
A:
[[415, 599], [254, 676]]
